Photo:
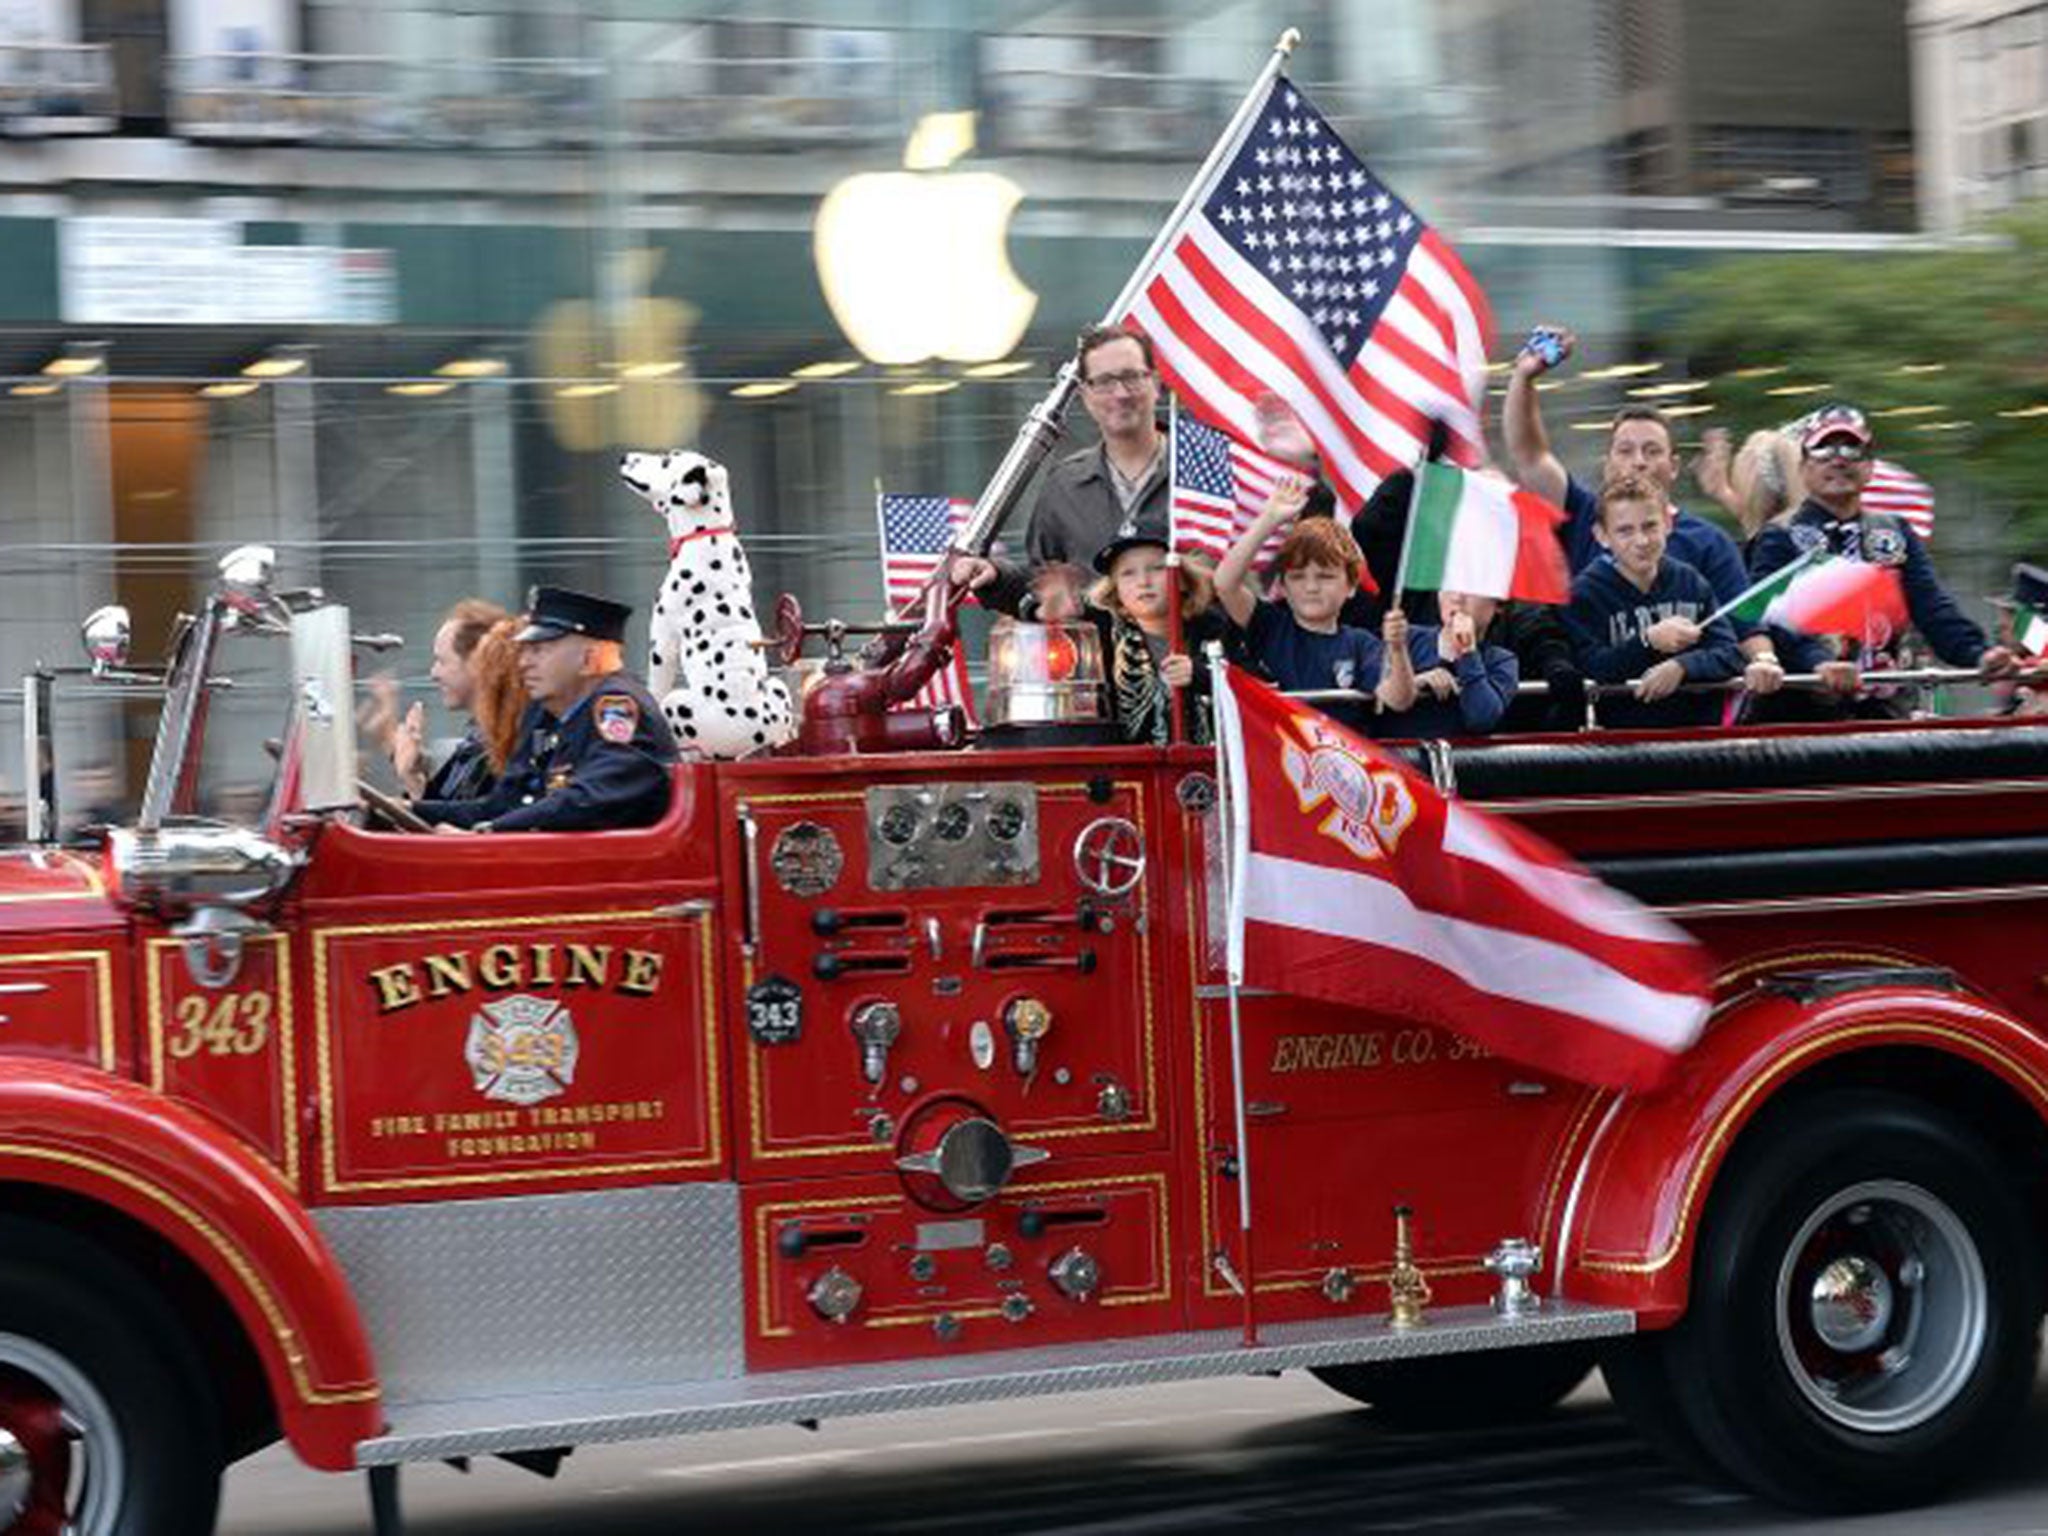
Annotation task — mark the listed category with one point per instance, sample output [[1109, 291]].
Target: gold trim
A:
[[282, 1332], [1848, 899], [1568, 1153], [1724, 1122], [1678, 799], [331, 1182], [1764, 964], [95, 888], [285, 1074], [103, 978], [758, 1149], [766, 1214]]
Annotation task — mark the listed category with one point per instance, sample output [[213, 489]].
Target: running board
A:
[[429, 1431]]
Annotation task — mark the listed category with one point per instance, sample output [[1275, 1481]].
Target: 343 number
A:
[[229, 1024]]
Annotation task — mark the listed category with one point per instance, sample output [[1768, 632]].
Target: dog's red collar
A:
[[695, 533]]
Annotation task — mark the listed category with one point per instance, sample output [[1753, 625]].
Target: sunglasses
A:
[[1847, 453]]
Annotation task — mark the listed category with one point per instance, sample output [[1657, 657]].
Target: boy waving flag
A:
[[1355, 882]]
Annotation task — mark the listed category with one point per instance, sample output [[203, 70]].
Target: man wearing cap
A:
[[1640, 444], [593, 751], [1835, 460]]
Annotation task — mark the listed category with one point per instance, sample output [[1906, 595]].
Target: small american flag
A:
[[916, 533], [1299, 273], [1219, 485], [1906, 496]]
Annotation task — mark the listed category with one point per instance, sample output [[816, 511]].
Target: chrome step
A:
[[425, 1431]]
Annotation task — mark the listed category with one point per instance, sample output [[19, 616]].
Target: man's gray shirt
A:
[[1077, 512]]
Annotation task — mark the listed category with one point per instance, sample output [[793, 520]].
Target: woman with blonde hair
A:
[[1757, 484], [1130, 605]]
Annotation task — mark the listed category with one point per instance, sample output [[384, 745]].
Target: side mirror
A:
[[107, 636]]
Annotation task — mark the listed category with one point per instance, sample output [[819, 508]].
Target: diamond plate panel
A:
[[779, 1397], [497, 1298]]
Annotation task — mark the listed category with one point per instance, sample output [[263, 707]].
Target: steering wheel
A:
[[394, 810]]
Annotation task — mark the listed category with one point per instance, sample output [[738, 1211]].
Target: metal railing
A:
[[48, 89], [514, 103]]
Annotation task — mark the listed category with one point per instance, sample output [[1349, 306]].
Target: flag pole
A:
[[1408, 532], [1229, 737], [1176, 633], [1041, 428]]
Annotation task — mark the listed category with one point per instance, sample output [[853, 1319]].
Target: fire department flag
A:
[[1353, 881]]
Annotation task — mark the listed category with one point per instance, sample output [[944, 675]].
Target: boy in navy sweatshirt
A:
[[1640, 617]]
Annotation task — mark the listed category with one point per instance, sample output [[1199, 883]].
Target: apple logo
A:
[[913, 261], [621, 383]]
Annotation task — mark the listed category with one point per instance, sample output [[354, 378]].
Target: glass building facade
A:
[[390, 286]]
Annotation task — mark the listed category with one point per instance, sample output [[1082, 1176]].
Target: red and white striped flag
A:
[[1353, 881], [1219, 486], [1903, 494], [916, 532], [1298, 273]]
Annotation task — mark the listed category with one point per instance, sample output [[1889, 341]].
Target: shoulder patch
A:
[[1884, 546], [617, 716]]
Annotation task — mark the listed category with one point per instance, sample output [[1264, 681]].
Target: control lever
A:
[[834, 964], [875, 1025], [1084, 962], [827, 921]]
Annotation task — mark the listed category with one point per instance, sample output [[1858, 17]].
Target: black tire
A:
[[1865, 1312], [1472, 1391], [79, 1330]]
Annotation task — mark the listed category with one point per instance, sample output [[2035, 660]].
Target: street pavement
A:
[[1233, 1456]]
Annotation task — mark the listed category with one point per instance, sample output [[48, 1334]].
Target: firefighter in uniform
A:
[[593, 751]]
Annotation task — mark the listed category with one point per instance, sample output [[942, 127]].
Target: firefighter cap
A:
[[552, 612]]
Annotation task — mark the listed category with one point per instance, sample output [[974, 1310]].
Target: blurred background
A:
[[390, 285]]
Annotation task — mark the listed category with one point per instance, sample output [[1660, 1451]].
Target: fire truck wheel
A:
[[1464, 1391], [106, 1425], [1865, 1308]]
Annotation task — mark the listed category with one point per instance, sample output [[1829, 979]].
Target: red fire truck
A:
[[891, 1080]]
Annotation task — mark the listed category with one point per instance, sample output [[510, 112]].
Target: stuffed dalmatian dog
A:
[[704, 665]]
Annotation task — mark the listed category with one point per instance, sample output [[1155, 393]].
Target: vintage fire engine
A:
[[896, 1080]]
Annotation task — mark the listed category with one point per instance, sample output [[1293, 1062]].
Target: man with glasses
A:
[[1087, 496], [1836, 455]]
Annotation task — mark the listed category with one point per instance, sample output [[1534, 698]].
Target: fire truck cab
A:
[[864, 1082]]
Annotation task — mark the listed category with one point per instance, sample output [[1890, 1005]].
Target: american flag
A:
[[1906, 496], [1219, 485], [1300, 274], [916, 533]]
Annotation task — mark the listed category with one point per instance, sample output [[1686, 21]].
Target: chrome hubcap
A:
[[1882, 1307], [1852, 1303], [17, 1477], [61, 1466]]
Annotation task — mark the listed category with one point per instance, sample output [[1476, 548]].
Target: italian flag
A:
[[1755, 601], [1842, 597], [1476, 533], [2030, 628]]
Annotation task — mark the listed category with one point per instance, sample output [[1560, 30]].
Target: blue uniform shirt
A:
[[1694, 540], [1607, 619], [1881, 540], [606, 764]]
